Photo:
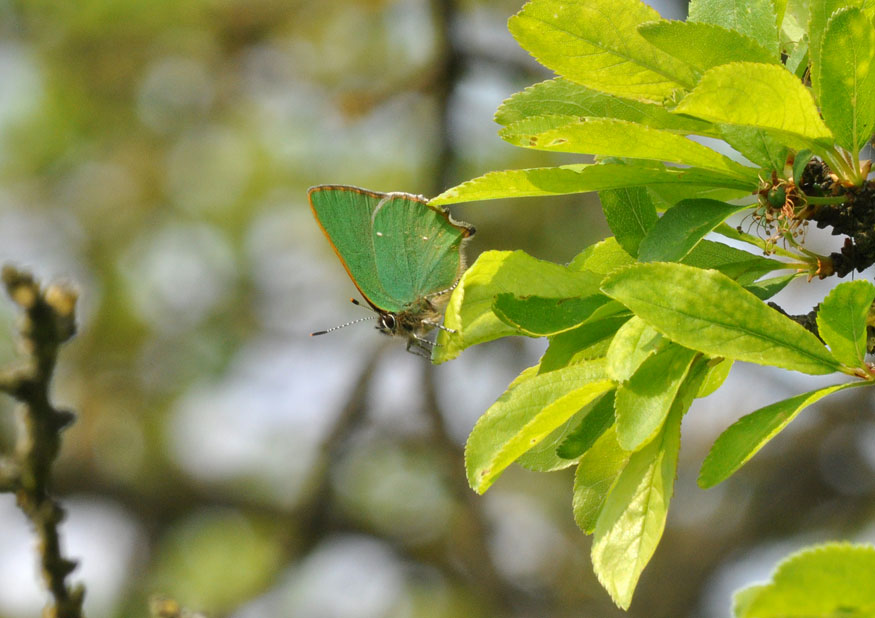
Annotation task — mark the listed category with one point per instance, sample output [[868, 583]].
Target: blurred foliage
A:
[[157, 154]]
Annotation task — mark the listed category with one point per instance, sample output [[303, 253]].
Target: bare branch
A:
[[48, 321]]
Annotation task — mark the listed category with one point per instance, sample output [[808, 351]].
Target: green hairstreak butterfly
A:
[[403, 254]]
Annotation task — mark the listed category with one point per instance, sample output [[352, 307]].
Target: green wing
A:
[[417, 247], [345, 215]]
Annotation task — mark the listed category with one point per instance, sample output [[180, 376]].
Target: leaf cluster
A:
[[760, 107]]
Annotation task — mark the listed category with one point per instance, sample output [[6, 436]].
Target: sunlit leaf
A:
[[718, 371], [469, 312], [596, 473], [596, 43], [632, 345], [590, 428], [819, 14], [525, 414], [537, 316], [632, 518], [841, 320], [630, 214], [707, 311], [584, 343], [580, 178], [703, 46], [847, 94], [643, 402], [682, 227], [749, 434], [562, 97], [602, 257], [610, 137], [758, 145], [735, 263], [753, 18], [772, 98], [544, 456], [764, 289], [832, 580]]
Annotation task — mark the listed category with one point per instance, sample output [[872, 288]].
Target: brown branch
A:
[[48, 322]]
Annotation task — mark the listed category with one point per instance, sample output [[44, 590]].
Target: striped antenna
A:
[[333, 328]]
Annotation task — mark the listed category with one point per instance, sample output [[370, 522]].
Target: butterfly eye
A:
[[388, 321]]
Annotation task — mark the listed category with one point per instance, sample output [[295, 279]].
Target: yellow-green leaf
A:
[[766, 96], [707, 311], [750, 433], [469, 312], [596, 43], [847, 94], [527, 413]]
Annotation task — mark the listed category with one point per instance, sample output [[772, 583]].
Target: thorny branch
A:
[[48, 321]]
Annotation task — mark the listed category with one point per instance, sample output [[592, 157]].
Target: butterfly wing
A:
[[417, 247], [346, 216]]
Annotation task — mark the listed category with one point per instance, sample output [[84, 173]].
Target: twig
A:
[[49, 321]]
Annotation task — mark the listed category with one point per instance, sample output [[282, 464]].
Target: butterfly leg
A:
[[419, 346]]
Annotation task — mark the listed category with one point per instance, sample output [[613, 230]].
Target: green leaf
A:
[[735, 263], [469, 311], [596, 43], [757, 145], [819, 14], [780, 10], [632, 517], [841, 321], [718, 371], [519, 133], [800, 162], [682, 227], [544, 456], [667, 195], [702, 45], [750, 433], [584, 343], [795, 25], [560, 97], [580, 178], [537, 316], [754, 18], [772, 99], [620, 138], [642, 404], [847, 95], [596, 474], [597, 421], [630, 214], [602, 257], [527, 413], [832, 580], [707, 311], [797, 61], [767, 288], [631, 346]]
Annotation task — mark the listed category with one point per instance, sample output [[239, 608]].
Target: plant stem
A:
[[48, 322], [838, 199], [730, 232]]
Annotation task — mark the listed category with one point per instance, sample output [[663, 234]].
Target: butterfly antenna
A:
[[333, 328], [338, 327]]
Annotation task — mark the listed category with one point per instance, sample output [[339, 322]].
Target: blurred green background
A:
[[158, 155]]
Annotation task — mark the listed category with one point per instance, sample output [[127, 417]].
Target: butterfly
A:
[[403, 254]]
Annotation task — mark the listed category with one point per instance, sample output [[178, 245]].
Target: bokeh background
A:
[[157, 153]]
